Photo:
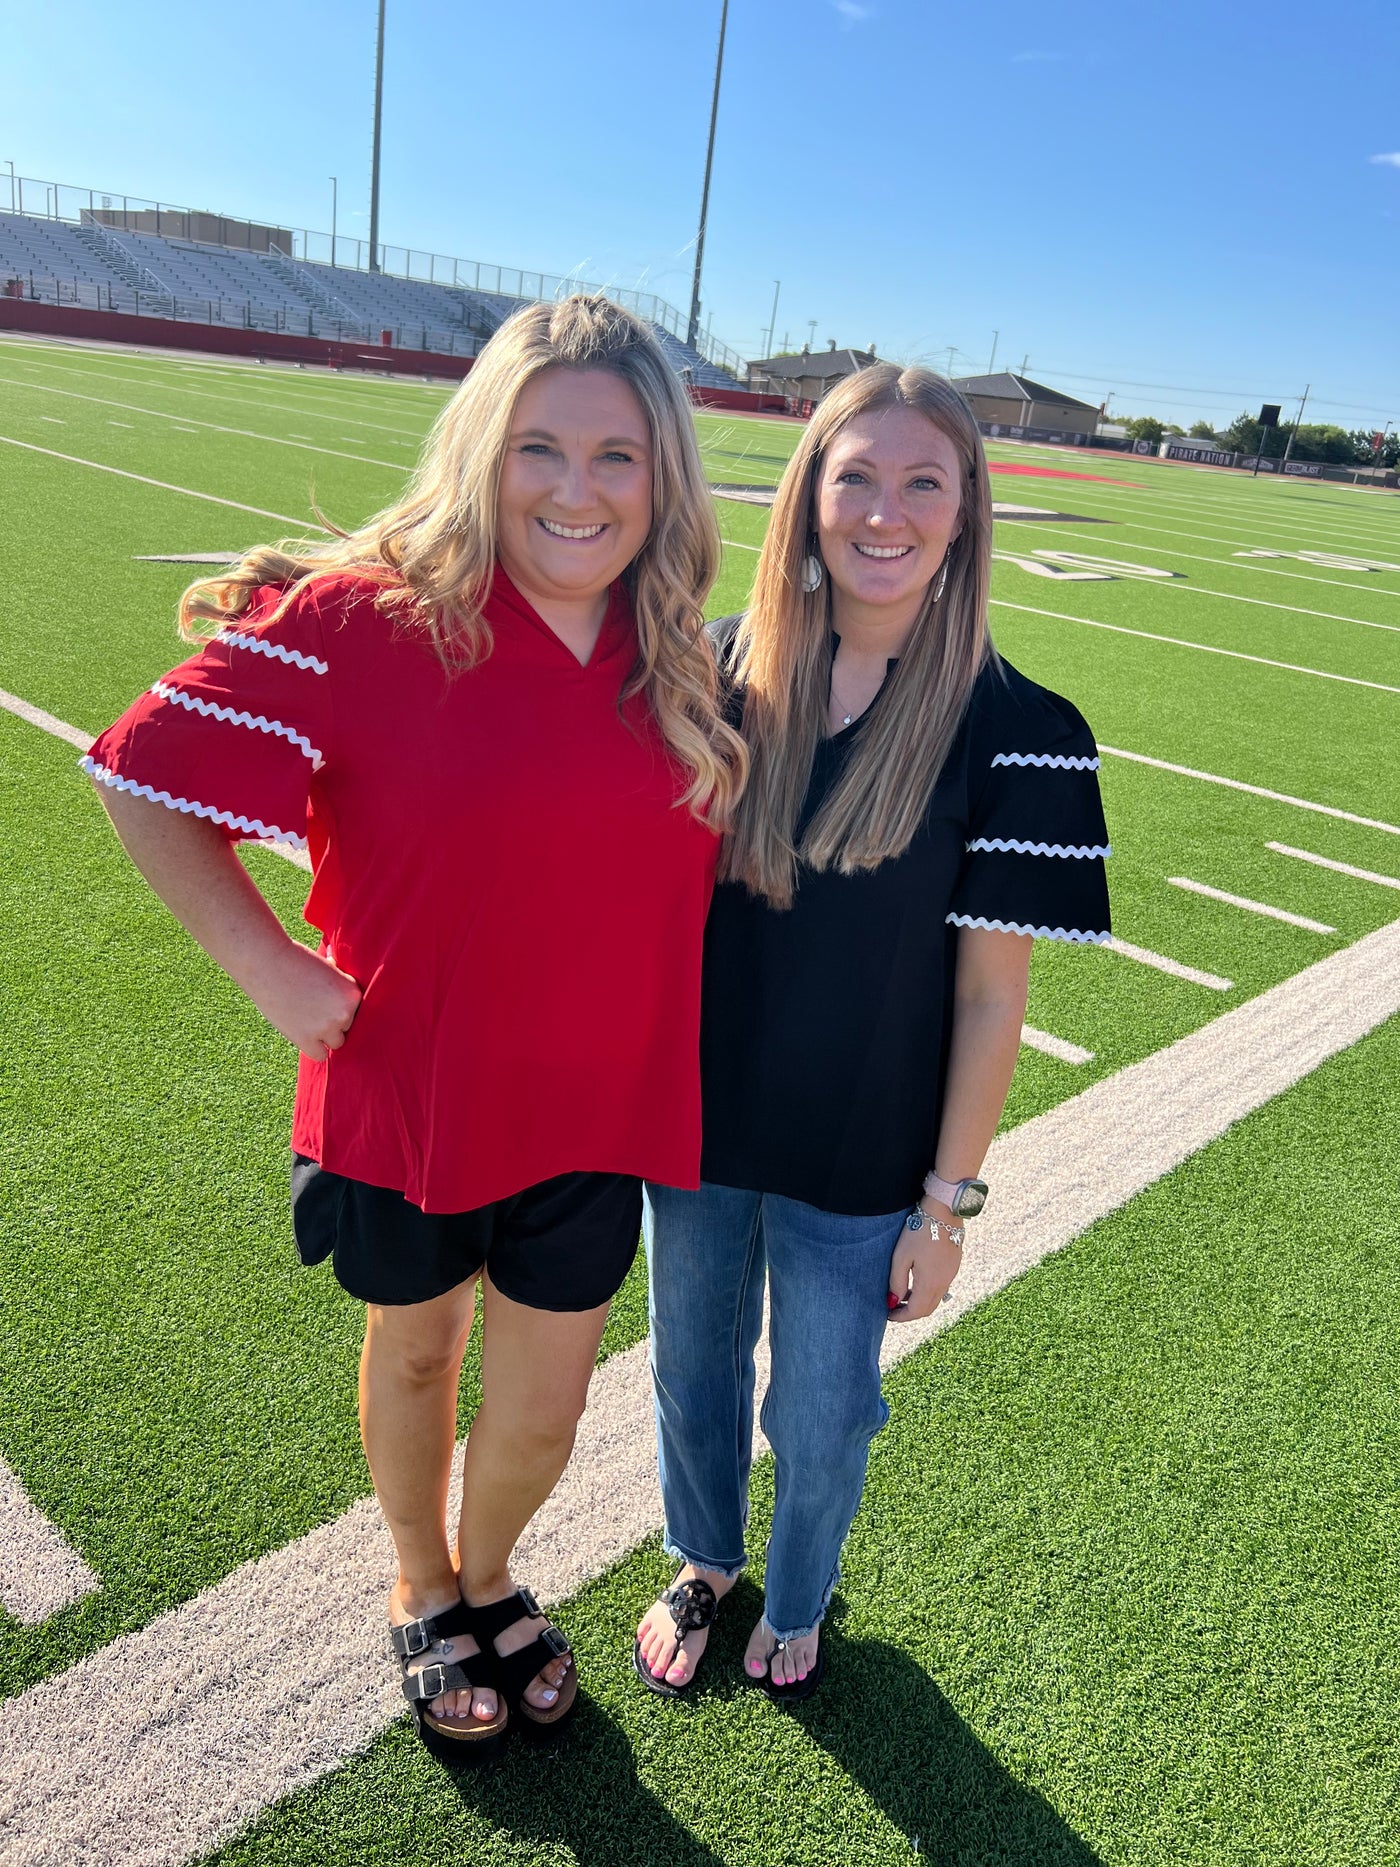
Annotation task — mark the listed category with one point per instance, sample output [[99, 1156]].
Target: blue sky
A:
[[1180, 203]]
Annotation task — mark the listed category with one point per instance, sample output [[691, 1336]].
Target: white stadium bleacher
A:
[[107, 268]]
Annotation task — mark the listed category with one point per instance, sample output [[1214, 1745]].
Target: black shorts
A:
[[566, 1244]]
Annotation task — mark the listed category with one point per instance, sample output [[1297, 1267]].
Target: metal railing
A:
[[65, 201], [243, 315]]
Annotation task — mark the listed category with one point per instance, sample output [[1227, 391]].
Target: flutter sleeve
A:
[[1036, 839], [237, 732]]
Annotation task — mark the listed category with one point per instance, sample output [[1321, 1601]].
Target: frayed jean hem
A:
[[731, 1571], [798, 1633]]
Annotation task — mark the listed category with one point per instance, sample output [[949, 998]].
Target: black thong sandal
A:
[[800, 1688], [477, 1742], [513, 1672], [693, 1605]]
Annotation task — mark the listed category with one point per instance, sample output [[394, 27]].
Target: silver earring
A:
[[942, 583], [811, 572]]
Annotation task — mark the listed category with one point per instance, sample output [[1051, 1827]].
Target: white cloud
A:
[[853, 12], [1037, 58], [1391, 161]]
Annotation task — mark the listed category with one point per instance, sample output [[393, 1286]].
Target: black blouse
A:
[[825, 1028]]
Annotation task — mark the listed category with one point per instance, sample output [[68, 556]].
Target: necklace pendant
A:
[[847, 720]]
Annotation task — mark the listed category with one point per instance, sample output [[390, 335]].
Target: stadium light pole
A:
[[335, 190], [693, 330], [993, 363], [374, 158], [1292, 432], [773, 321]]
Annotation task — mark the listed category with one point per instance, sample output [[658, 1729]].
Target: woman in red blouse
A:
[[490, 717]]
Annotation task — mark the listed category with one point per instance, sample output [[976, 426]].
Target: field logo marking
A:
[[1108, 567], [1052, 571], [195, 1724], [40, 1571], [1326, 560]]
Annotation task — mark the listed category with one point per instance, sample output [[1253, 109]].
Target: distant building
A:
[[1012, 401], [808, 374]]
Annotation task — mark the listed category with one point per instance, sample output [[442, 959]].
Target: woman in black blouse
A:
[[916, 811]]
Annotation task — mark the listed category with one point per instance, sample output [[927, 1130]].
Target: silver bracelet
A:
[[918, 1219]]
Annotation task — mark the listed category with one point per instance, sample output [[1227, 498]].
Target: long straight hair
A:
[[781, 657], [434, 550]]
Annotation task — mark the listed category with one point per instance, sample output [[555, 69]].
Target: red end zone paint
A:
[[1057, 473]]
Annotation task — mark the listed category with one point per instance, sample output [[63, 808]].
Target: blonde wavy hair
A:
[[780, 655], [434, 550]]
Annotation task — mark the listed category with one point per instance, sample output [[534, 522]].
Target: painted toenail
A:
[[549, 1696]]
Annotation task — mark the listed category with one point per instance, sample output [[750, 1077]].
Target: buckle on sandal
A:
[[430, 1683], [556, 1642], [532, 1607], [412, 1638]]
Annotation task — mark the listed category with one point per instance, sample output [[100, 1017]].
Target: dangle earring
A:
[[812, 572], [942, 583]]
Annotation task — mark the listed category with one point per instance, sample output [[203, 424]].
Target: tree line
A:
[[1322, 441]]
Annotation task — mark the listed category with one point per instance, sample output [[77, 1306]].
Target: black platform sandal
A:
[[478, 1742], [693, 1605], [513, 1672]]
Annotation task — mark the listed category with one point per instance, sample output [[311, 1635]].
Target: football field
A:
[[1125, 1588]]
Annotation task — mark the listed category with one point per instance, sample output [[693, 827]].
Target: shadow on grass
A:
[[880, 1719], [582, 1793], [886, 1724]]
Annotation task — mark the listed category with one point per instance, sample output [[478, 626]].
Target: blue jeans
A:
[[828, 1276]]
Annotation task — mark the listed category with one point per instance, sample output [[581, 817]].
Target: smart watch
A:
[[963, 1198]]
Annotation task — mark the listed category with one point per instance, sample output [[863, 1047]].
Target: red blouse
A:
[[498, 859]]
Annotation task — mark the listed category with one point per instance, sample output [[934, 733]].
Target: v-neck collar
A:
[[614, 632], [847, 731]]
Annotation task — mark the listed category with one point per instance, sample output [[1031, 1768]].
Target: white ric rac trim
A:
[[1038, 849], [235, 638], [179, 698], [1055, 760], [253, 825], [1038, 933]]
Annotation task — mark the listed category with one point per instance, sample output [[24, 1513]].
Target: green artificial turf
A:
[[1123, 1588], [1135, 1509]]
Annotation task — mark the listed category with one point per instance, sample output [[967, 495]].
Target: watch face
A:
[[971, 1197]]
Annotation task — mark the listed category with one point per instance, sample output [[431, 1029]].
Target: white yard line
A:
[[1254, 790], [1251, 907], [1204, 648], [189, 492], [1160, 963], [1340, 868], [40, 1571], [303, 409], [302, 444], [46, 722], [1057, 1047], [194, 1725]]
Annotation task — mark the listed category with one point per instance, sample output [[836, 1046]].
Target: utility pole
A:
[[773, 321], [335, 189], [374, 159], [1024, 361], [812, 329], [1292, 433], [694, 329], [993, 363]]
